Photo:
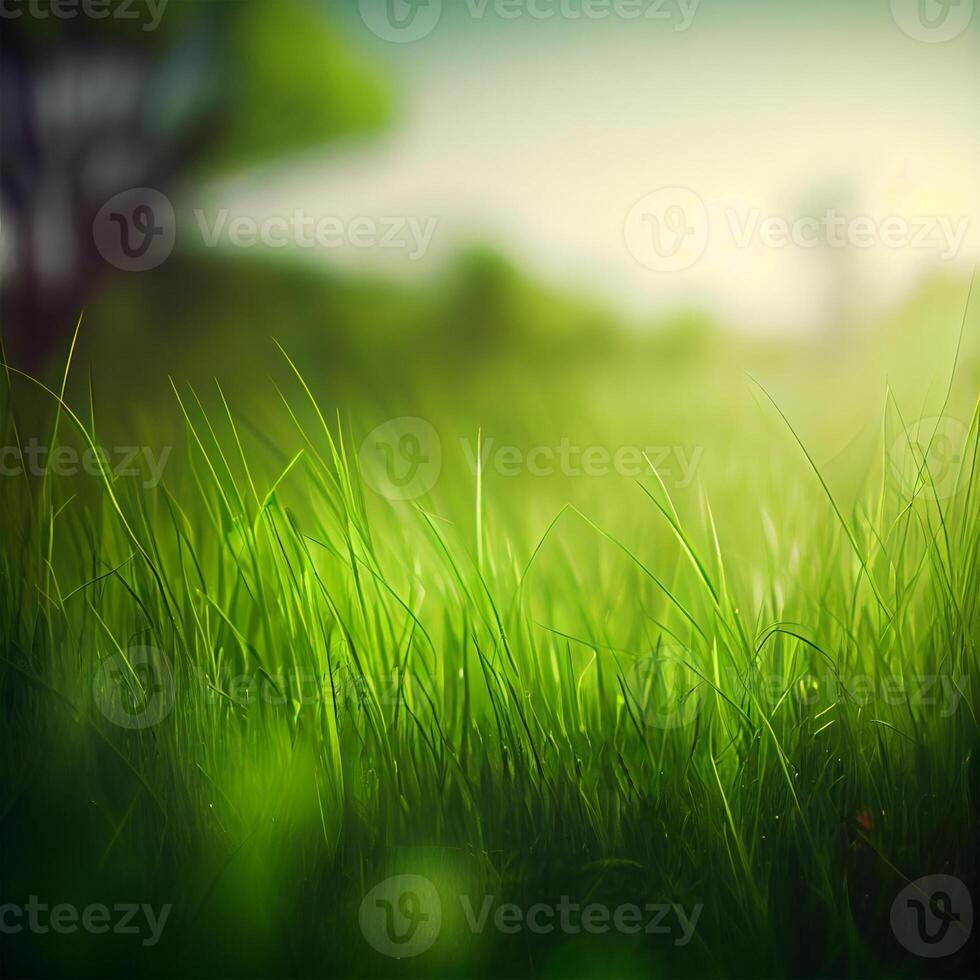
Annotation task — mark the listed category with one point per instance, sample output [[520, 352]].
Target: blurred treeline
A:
[[155, 94], [224, 88]]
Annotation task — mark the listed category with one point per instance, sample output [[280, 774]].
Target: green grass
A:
[[471, 686]]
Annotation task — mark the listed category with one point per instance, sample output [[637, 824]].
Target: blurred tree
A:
[[150, 94]]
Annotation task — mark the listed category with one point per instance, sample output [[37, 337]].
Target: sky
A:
[[665, 163]]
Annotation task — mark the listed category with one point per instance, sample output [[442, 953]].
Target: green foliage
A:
[[293, 82], [254, 80], [479, 672]]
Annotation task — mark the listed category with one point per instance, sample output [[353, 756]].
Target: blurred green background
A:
[[530, 322]]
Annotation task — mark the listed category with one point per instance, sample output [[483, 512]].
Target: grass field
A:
[[686, 635]]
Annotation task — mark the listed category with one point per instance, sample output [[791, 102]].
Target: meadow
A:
[[435, 648]]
